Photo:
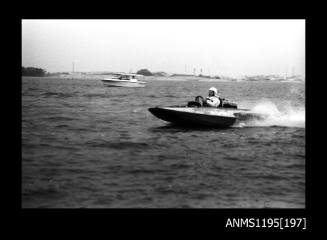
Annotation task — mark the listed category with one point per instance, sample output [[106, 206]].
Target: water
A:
[[86, 145]]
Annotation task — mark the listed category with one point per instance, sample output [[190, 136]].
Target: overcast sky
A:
[[226, 47]]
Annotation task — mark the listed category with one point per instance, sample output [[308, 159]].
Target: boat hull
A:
[[208, 117], [123, 83]]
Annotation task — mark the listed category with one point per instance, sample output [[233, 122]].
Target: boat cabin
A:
[[126, 76]]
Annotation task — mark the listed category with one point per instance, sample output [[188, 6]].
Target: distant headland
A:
[[33, 72]]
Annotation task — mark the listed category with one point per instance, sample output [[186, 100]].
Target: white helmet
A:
[[214, 90]]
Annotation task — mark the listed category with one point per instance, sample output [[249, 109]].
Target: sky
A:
[[218, 47]]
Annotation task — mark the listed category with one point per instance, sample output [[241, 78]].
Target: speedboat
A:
[[199, 116], [124, 80]]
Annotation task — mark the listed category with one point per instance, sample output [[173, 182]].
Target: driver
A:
[[212, 100]]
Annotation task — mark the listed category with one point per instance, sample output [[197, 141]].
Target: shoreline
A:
[[171, 79]]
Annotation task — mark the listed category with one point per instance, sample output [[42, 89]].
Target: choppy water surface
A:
[[86, 145]]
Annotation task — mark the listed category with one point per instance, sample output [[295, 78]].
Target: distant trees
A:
[[160, 74], [31, 71], [144, 72]]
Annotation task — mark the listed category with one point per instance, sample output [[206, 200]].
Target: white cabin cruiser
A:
[[124, 80]]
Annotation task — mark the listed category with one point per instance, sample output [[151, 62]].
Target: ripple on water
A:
[[57, 94], [116, 145]]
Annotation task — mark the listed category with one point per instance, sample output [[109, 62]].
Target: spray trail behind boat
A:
[[288, 116]]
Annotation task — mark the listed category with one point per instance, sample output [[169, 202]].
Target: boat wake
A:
[[289, 116]]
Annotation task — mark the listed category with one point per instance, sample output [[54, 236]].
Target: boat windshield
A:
[[124, 76], [116, 75]]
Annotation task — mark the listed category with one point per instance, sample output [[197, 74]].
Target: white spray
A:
[[288, 115]]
